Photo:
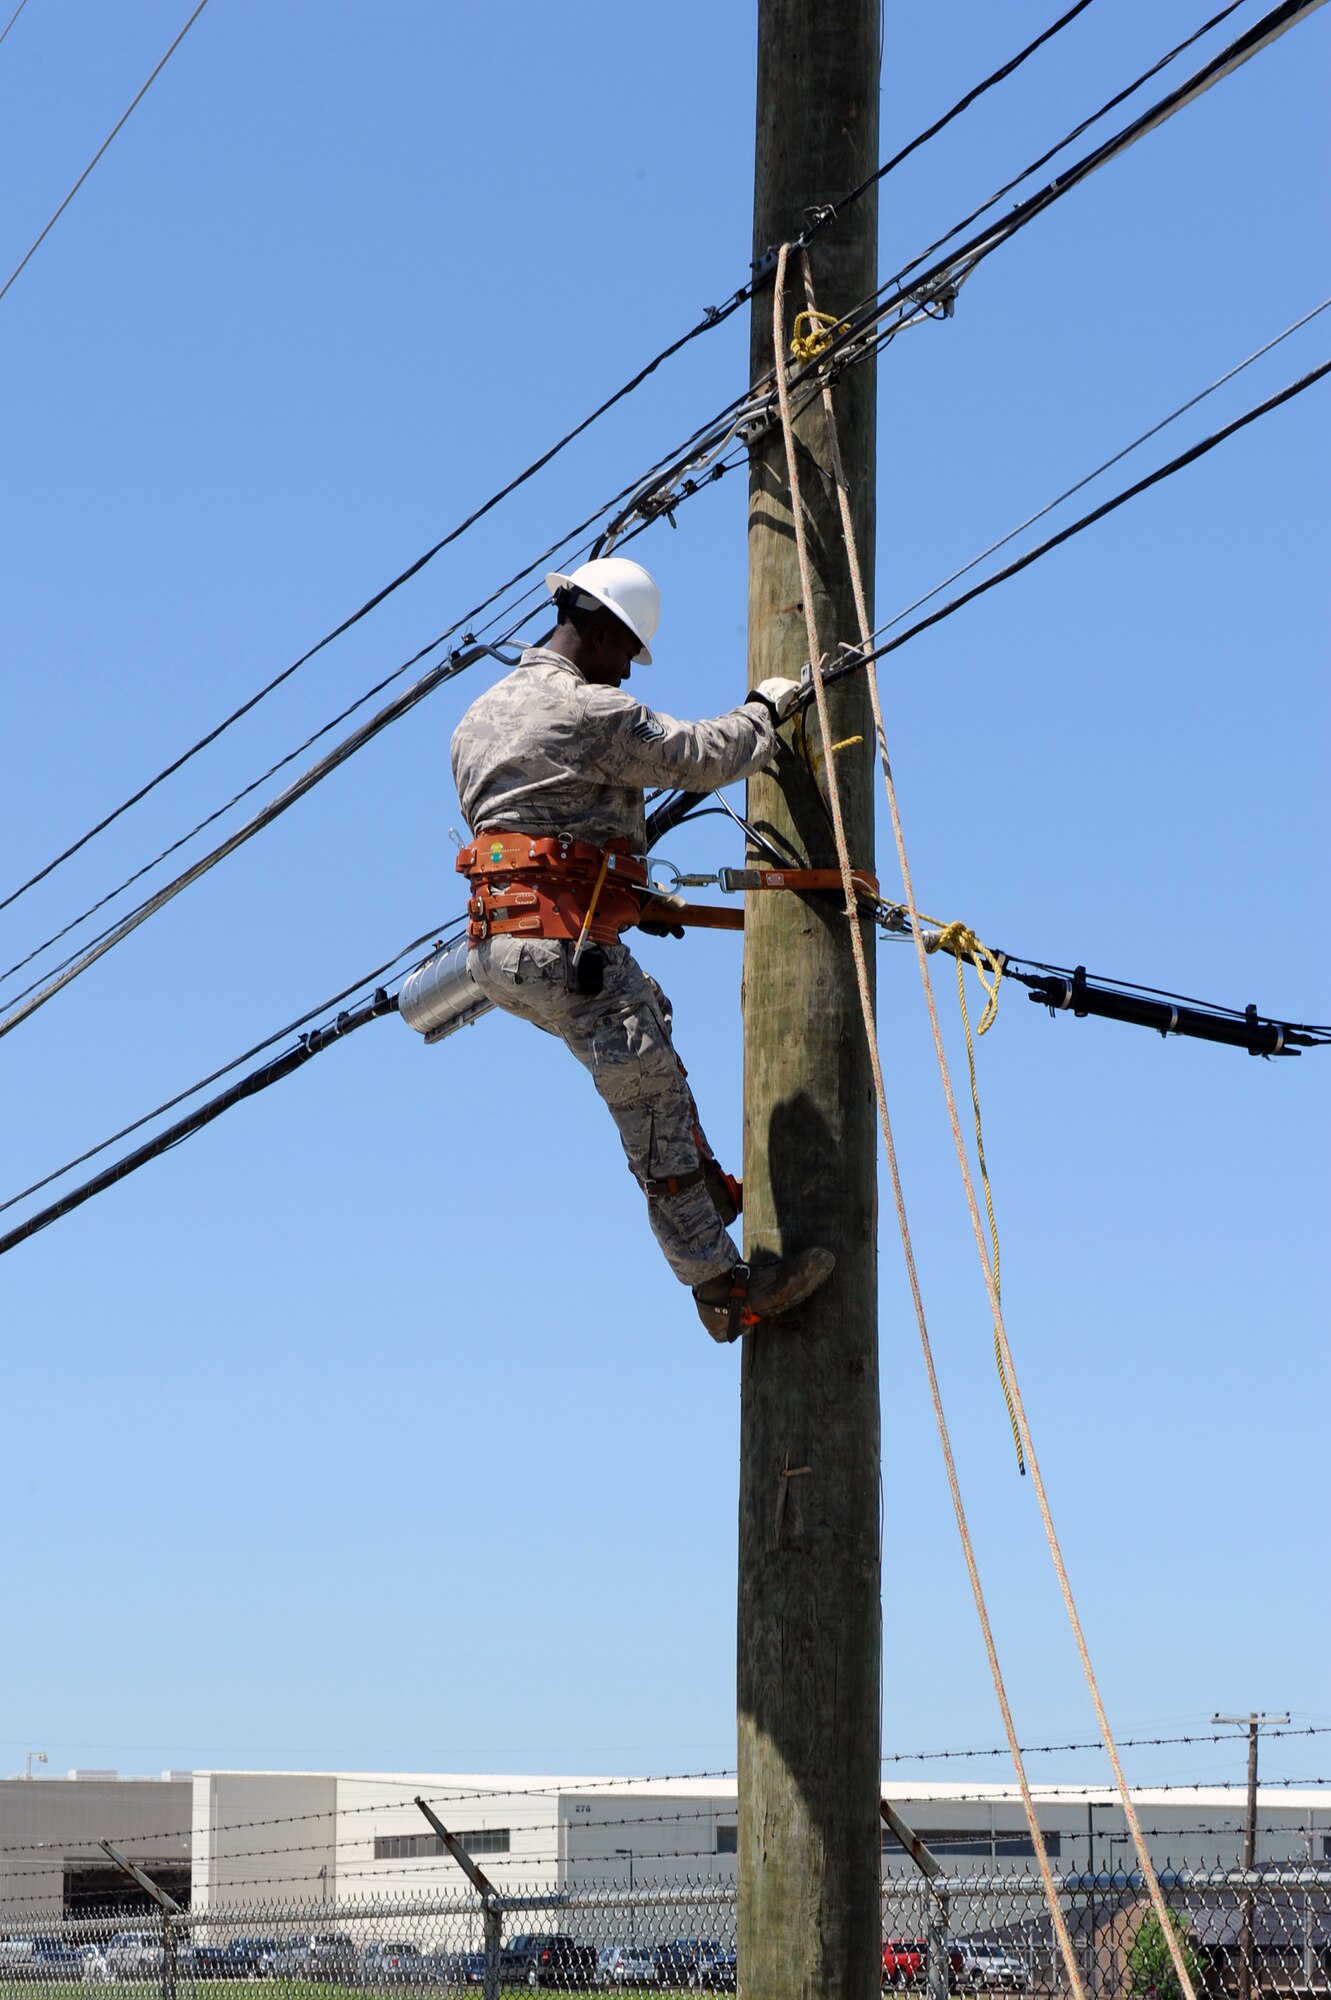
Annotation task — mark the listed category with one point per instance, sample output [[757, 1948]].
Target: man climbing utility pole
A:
[[809, 1562]]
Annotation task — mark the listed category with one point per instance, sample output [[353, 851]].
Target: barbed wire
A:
[[557, 1788]]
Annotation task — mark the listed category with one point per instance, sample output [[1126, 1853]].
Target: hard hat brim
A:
[[556, 580]]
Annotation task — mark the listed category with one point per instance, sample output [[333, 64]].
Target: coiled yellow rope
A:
[[821, 330], [965, 947]]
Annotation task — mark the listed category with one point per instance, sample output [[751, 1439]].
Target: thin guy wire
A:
[[1108, 463], [1110, 104], [34, 247], [880, 1091], [1107, 507], [713, 316], [1019, 220], [1002, 542], [1229, 59], [953, 268], [13, 17], [369, 979]]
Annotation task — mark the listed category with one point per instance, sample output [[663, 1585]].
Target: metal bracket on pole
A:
[[168, 1906], [936, 1946], [492, 1913]]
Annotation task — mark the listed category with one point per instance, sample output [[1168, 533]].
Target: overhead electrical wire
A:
[[34, 247], [939, 283], [713, 316], [1105, 466], [643, 493], [831, 210], [1107, 507], [13, 17], [435, 676], [367, 979]]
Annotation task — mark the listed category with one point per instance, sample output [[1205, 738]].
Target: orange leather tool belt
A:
[[543, 886]]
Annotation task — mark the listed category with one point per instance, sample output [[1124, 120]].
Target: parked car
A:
[[903, 1961], [134, 1954], [34, 1958], [455, 1968], [394, 1963], [625, 1965], [983, 1966], [317, 1955], [56, 1958], [241, 1958], [549, 1959], [676, 1961], [714, 1972]]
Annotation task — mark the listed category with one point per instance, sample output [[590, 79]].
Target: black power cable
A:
[[713, 316], [856, 660], [1260, 1035], [184, 1128], [279, 1035], [642, 491], [1233, 56]]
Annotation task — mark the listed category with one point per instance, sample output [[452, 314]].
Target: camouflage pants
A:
[[622, 1036]]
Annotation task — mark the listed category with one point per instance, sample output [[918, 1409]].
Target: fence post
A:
[[492, 1909], [494, 1933], [168, 1906], [936, 1946], [168, 1956]]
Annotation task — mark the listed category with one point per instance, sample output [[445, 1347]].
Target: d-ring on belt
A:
[[550, 886]]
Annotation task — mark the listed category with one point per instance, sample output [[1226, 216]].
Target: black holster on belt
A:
[[587, 977]]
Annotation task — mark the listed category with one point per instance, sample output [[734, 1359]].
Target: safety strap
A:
[[657, 1187], [738, 1316]]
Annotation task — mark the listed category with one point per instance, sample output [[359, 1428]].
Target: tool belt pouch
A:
[[587, 977], [546, 887]]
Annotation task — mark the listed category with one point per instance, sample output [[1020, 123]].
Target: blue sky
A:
[[368, 1430]]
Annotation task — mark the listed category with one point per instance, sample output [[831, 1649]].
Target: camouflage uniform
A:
[[546, 752]]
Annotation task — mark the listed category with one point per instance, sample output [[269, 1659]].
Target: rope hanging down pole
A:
[[990, 1276], [854, 931]]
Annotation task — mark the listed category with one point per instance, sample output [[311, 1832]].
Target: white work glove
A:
[[780, 696]]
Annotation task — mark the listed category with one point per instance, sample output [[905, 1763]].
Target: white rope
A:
[[1059, 1921], [1000, 1331]]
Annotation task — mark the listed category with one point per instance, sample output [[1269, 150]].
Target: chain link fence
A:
[[1267, 1932]]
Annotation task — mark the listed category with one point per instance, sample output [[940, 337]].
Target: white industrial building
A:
[[226, 1840], [50, 1862], [348, 1836]]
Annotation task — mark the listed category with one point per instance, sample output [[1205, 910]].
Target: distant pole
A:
[[809, 1567], [1254, 1724]]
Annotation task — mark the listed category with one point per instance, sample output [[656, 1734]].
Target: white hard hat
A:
[[624, 588]]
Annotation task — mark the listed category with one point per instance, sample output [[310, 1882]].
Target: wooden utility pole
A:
[[1254, 1724], [809, 1556]]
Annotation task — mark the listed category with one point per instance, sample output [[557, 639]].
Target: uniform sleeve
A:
[[632, 745]]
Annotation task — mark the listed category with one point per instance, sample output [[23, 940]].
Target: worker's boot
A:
[[738, 1299]]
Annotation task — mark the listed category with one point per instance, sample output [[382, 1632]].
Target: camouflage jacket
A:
[[544, 752]]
